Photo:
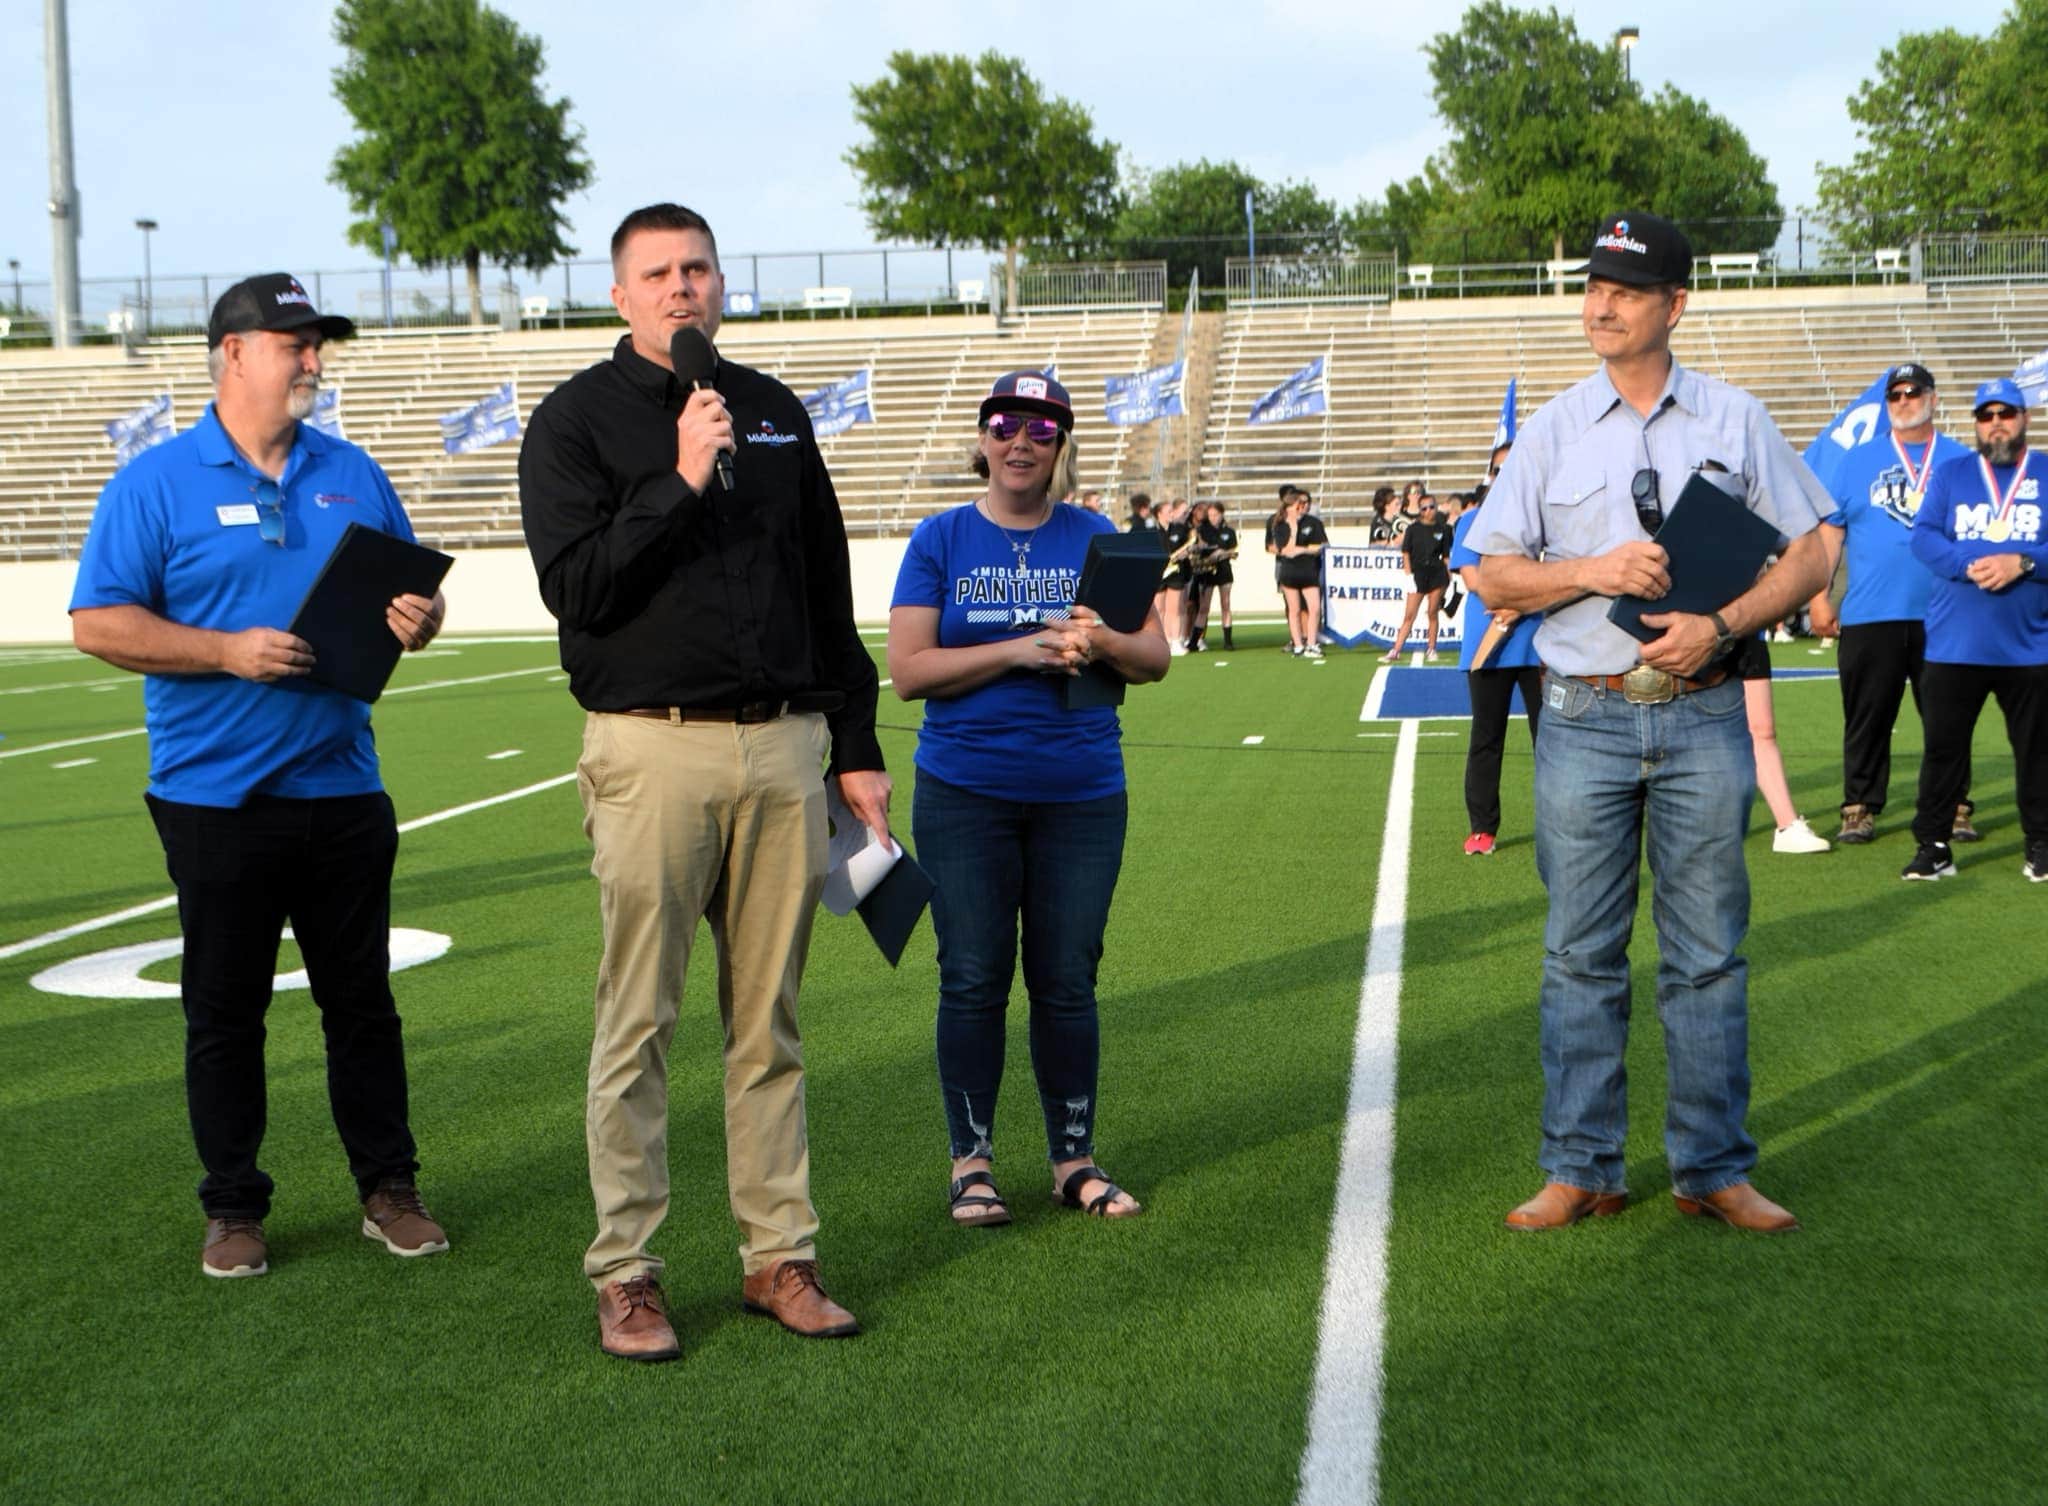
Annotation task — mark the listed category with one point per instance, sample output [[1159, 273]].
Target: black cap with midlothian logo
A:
[[274, 300], [1641, 249]]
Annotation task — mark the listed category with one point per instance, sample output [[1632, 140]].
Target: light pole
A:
[[14, 267], [148, 276], [1626, 39]]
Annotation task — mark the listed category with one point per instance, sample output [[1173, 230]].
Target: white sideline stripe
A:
[[73, 763], [71, 742], [101, 922], [1340, 1466], [506, 674], [67, 685]]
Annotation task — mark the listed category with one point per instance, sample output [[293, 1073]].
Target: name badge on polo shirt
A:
[[234, 514]]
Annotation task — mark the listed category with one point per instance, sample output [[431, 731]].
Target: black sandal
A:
[[1069, 1195], [985, 1211]]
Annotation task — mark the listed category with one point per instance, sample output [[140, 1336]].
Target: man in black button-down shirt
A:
[[709, 634]]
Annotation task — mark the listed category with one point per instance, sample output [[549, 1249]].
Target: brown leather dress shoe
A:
[[1559, 1205], [1741, 1207], [788, 1291], [632, 1321]]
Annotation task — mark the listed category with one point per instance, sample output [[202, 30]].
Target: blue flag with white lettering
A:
[[326, 414], [2032, 377], [1302, 395], [838, 406], [493, 419], [144, 428], [1145, 395], [1857, 425], [1504, 431]]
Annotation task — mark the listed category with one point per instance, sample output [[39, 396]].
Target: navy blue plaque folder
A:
[[1715, 546], [342, 617], [1118, 581]]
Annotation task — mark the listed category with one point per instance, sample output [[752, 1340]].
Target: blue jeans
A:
[[1607, 772], [1054, 865]]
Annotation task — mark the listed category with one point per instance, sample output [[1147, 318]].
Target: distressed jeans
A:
[[1614, 780], [1052, 865]]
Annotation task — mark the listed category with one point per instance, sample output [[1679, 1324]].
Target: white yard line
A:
[[1340, 1466], [70, 742], [111, 680], [101, 922]]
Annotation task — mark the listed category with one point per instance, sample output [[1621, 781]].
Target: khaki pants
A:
[[725, 822]]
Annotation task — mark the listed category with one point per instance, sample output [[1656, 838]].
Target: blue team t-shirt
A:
[[1519, 652], [1011, 739], [176, 531], [1965, 518], [1875, 502]]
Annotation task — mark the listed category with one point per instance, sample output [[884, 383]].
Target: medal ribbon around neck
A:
[[1916, 481], [2000, 526]]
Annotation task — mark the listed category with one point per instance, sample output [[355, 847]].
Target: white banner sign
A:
[[1364, 593]]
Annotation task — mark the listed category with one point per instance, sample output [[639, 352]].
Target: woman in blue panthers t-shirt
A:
[[1019, 808]]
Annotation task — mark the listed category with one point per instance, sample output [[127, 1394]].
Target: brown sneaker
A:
[[1858, 826], [1963, 830], [234, 1247], [788, 1292], [632, 1321], [395, 1216]]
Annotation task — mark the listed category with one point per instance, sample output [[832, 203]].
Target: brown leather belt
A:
[[748, 715], [1645, 686]]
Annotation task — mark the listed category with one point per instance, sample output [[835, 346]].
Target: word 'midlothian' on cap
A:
[[1029, 392], [1640, 249], [275, 301]]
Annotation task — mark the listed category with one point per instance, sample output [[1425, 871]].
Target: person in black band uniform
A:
[[1178, 531], [1211, 574], [708, 633], [1426, 545], [1142, 520], [1298, 540]]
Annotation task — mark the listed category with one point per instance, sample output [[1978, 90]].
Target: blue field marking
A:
[[1401, 693]]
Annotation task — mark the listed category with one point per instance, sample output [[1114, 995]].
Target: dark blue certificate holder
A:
[[1118, 581], [1715, 547]]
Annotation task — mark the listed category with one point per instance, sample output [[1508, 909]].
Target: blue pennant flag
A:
[[492, 420], [326, 414], [1052, 371], [1145, 395], [1504, 431], [1857, 425], [2032, 377], [1302, 395], [838, 406], [149, 425]]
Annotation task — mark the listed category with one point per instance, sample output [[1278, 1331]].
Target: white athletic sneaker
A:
[[1798, 837], [1176, 649], [1430, 657], [1313, 651]]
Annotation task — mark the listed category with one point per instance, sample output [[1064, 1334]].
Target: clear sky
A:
[[219, 120]]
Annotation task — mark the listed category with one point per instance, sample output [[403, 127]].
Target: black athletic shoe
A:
[[1932, 861], [2036, 867]]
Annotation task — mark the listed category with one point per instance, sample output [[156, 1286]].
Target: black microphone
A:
[[694, 362]]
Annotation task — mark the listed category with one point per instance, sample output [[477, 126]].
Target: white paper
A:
[[854, 861]]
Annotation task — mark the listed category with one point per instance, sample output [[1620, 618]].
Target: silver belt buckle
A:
[[1644, 686]]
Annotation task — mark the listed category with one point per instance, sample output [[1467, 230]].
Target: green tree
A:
[[974, 153], [1539, 120], [459, 151], [1917, 168], [2005, 130], [1191, 216], [1698, 170]]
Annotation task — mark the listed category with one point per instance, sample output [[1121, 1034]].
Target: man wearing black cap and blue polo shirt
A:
[[1642, 744], [264, 785], [1979, 530], [1881, 624]]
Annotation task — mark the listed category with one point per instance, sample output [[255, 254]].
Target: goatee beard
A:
[[300, 400], [2002, 451]]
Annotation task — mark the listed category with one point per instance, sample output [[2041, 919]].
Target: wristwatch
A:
[[2026, 564], [1722, 637]]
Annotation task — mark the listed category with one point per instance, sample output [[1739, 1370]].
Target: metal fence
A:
[[1088, 285], [1982, 258], [1309, 279]]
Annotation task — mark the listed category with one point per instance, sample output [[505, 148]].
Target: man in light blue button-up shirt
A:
[[1644, 740]]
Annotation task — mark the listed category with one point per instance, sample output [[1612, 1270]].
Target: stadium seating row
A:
[[1414, 391]]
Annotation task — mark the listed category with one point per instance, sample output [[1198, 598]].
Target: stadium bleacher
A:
[[1414, 390]]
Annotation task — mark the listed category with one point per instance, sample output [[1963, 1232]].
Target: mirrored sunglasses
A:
[[1993, 412], [1904, 394], [270, 514], [1005, 426]]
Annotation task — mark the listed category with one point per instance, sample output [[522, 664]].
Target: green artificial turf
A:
[[1892, 1350]]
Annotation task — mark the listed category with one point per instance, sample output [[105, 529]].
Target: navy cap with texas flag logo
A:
[[275, 301], [1640, 249]]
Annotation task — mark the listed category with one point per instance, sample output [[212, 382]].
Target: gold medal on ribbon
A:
[[1999, 529], [1913, 500]]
